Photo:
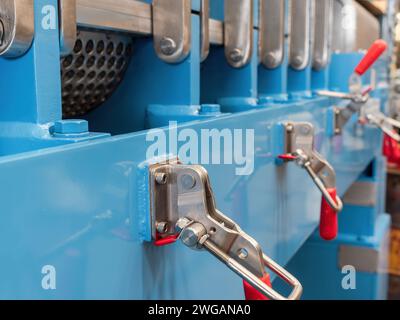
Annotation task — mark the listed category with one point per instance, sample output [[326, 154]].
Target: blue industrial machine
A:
[[128, 125]]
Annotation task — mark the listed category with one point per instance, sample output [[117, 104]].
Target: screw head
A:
[[188, 181], [297, 61], [161, 178], [68, 127], [271, 59], [236, 55], [162, 227], [167, 46]]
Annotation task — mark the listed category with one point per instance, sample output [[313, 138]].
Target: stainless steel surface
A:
[[205, 29], [301, 13], [354, 27], [272, 32], [94, 69], [123, 15], [17, 21], [322, 33], [300, 145], [187, 201], [361, 193], [68, 28], [238, 32], [363, 259], [171, 29]]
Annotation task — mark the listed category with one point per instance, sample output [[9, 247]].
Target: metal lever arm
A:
[[385, 123], [183, 202]]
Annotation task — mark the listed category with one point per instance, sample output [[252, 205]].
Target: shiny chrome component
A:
[[300, 145], [17, 24], [384, 123], [68, 28], [93, 71], [124, 16], [190, 207], [300, 33], [272, 32], [171, 29], [205, 29], [322, 33], [238, 32]]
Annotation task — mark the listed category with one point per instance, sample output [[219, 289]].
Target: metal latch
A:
[[299, 147], [183, 207]]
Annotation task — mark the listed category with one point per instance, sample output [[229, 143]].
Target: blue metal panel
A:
[[316, 265]]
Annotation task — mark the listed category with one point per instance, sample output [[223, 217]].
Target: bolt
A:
[[192, 234], [162, 227], [208, 109], [168, 46], [289, 128], [236, 55], [188, 181], [297, 61], [161, 178], [71, 127]]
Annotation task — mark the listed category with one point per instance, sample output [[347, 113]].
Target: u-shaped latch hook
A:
[[183, 207]]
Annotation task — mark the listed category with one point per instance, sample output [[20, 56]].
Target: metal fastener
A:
[[1, 32], [167, 46], [188, 181], [192, 234]]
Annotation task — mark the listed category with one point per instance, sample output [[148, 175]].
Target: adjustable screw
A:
[[168, 46], [236, 55], [161, 178]]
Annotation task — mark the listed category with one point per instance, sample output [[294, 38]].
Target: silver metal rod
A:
[[128, 16]]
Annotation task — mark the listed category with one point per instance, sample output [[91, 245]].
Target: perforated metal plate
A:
[[93, 71]]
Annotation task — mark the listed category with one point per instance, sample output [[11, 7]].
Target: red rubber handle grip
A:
[[252, 294], [328, 228], [372, 55]]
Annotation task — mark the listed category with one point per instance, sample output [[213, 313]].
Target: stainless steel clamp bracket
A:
[[299, 147], [183, 207]]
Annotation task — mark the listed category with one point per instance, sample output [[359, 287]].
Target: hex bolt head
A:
[[71, 127], [161, 178], [167, 46], [236, 55], [297, 61], [188, 181], [1, 32]]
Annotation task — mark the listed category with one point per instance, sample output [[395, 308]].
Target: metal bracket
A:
[[68, 26], [299, 147], [172, 29], [238, 31], [272, 32], [182, 204], [17, 22], [300, 33], [322, 33]]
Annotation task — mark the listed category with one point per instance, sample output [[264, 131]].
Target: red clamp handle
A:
[[287, 157], [252, 294], [372, 55], [328, 228], [161, 242]]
